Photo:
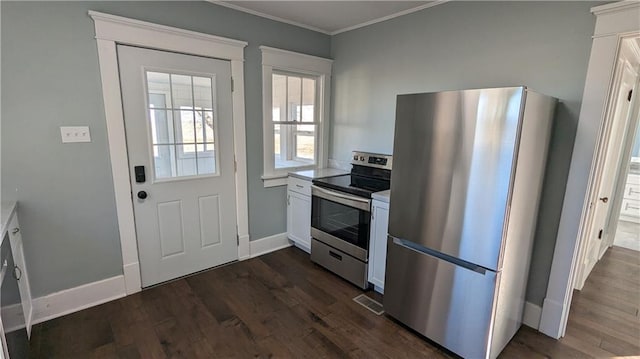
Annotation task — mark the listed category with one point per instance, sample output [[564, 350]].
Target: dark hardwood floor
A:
[[281, 305]]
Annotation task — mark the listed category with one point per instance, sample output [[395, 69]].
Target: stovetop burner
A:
[[370, 173]]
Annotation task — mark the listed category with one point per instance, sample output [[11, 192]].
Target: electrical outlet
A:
[[75, 134]]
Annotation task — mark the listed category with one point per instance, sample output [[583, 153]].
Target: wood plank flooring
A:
[[281, 305]]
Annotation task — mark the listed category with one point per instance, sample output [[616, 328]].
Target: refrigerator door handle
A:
[[424, 250]]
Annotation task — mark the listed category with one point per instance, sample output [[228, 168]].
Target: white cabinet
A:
[[630, 210], [20, 270], [378, 243], [299, 213], [15, 295]]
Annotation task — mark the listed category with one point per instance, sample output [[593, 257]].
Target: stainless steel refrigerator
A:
[[466, 182]]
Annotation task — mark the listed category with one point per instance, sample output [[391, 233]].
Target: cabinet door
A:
[[299, 219], [378, 244], [20, 271]]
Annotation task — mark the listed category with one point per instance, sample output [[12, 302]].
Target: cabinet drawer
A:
[[630, 208], [632, 191], [299, 185]]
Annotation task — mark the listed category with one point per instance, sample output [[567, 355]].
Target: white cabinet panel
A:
[[378, 244], [20, 271], [299, 219], [630, 210], [299, 185]]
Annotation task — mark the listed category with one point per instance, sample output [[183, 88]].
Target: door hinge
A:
[[238, 239], [232, 84], [629, 95], [235, 165], [600, 234]]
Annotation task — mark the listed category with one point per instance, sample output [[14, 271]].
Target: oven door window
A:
[[346, 223]]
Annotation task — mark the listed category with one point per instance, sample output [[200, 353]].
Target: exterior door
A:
[[178, 122]]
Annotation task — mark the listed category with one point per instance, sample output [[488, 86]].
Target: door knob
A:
[[142, 194], [604, 199]]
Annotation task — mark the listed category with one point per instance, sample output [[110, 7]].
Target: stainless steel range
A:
[[341, 216]]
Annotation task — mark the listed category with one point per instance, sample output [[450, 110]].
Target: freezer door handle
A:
[[424, 250]]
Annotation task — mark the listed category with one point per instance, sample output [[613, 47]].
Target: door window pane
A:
[[186, 160], [206, 158], [204, 126], [159, 89], [163, 160], [161, 126], [181, 91], [202, 92], [185, 126], [182, 124]]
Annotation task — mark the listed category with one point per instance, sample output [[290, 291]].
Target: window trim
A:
[[283, 61]]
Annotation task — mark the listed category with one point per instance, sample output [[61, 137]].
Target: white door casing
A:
[[606, 173], [614, 22], [112, 30], [177, 111]]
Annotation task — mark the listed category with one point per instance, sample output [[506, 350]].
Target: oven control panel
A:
[[371, 159]]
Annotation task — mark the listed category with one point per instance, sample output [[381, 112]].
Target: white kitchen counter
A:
[[309, 175], [8, 210], [382, 196]]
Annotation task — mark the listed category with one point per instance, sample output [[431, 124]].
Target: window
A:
[[181, 117], [295, 98]]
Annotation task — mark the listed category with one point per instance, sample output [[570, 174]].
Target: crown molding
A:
[[389, 17], [326, 32], [267, 16], [615, 7]]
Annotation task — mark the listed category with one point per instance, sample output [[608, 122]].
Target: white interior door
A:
[[178, 122], [599, 238]]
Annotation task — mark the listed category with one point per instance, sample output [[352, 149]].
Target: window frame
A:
[[296, 64]]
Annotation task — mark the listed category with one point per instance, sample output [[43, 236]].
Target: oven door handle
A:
[[342, 198]]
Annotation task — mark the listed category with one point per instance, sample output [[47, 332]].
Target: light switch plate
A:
[[72, 134]]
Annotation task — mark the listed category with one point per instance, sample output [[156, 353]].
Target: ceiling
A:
[[329, 17]]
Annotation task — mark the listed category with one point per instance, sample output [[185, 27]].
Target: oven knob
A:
[[355, 158], [361, 158]]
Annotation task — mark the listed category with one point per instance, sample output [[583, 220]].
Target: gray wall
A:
[[544, 45], [50, 78]]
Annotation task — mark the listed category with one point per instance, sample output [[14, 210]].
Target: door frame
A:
[[609, 125], [613, 22], [112, 30]]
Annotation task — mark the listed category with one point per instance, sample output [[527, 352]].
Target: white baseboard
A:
[[75, 299], [244, 251], [531, 316], [551, 318], [85, 296], [12, 317], [303, 247], [269, 244]]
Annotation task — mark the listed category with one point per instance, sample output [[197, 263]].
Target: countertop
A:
[[309, 175], [8, 209], [382, 196]]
